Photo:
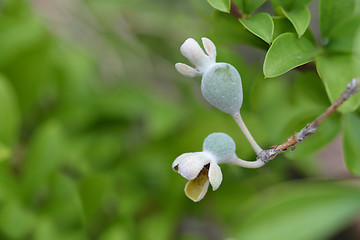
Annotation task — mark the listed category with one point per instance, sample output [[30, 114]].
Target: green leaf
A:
[[43, 157], [17, 35], [300, 211], [221, 5], [16, 222], [336, 71], [288, 4], [345, 37], [287, 52], [299, 17], [95, 192], [332, 12], [351, 142], [261, 25], [231, 32], [282, 25], [248, 6], [9, 118]]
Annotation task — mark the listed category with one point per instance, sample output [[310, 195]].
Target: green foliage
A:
[[9, 119], [333, 13], [248, 6], [221, 5], [261, 25], [299, 17], [287, 52], [321, 209], [335, 70], [92, 114], [351, 142], [345, 37]]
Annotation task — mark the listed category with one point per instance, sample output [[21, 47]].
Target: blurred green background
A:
[[93, 112]]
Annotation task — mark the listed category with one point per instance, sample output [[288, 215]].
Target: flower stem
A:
[[246, 164], [249, 137]]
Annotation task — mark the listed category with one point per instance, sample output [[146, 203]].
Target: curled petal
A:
[[192, 51], [215, 176], [178, 160], [190, 166], [209, 48], [187, 70], [196, 189]]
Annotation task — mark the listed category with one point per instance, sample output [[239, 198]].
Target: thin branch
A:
[[235, 10], [267, 155], [249, 137]]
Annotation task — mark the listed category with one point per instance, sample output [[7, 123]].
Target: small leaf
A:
[[261, 25], [300, 211], [288, 4], [332, 12], [299, 17], [287, 52], [43, 156], [230, 31], [336, 71], [9, 113], [16, 222], [248, 6], [9, 118], [221, 5], [17, 35], [351, 142], [345, 37], [282, 25]]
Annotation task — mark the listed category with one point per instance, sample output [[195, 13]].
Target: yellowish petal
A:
[[196, 189]]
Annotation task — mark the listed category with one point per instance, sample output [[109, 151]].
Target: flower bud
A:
[[221, 86], [220, 145], [221, 82]]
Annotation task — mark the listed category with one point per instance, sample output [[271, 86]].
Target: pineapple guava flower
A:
[[193, 52], [221, 83], [199, 168], [202, 168]]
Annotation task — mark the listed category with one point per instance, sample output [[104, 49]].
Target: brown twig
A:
[[267, 155], [235, 10]]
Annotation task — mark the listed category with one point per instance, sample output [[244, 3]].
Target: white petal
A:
[[186, 70], [196, 189], [191, 165], [209, 48], [215, 176], [178, 160], [193, 52]]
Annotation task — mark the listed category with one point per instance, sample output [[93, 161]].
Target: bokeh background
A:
[[93, 112]]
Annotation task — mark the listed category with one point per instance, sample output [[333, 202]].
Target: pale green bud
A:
[[220, 145], [221, 82], [221, 86]]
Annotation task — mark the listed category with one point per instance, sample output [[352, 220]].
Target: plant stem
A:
[[267, 155], [235, 10], [246, 164], [249, 137]]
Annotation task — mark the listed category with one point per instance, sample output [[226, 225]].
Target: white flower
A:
[[193, 52], [199, 168], [220, 84]]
